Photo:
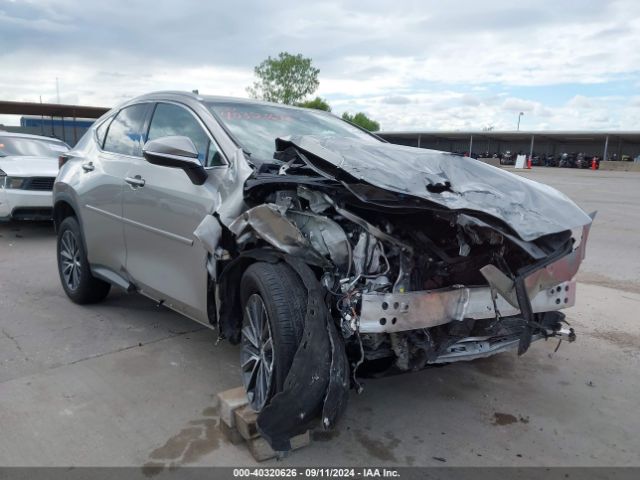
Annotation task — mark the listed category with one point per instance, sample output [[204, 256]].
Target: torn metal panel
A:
[[324, 235], [398, 312], [317, 201], [501, 283], [562, 269], [548, 276], [230, 188], [269, 224], [209, 232], [531, 209]]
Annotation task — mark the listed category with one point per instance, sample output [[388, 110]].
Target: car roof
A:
[[4, 133], [176, 94]]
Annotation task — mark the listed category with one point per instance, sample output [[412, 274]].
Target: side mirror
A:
[[176, 152]]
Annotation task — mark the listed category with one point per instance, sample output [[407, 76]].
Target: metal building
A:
[[606, 145], [65, 122]]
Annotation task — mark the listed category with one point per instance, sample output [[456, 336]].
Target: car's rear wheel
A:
[[73, 267], [274, 306]]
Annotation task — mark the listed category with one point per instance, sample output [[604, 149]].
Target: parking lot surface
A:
[[128, 383]]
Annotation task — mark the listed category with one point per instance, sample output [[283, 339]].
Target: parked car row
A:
[[564, 160]]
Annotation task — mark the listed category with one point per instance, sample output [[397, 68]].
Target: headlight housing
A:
[[13, 182], [2, 178]]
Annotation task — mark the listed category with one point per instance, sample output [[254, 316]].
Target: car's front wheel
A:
[[274, 305], [75, 275]]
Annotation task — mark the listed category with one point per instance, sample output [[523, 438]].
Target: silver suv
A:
[[327, 253]]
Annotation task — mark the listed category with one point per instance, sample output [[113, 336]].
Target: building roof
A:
[[558, 135], [51, 109]]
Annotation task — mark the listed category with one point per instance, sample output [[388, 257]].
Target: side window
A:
[[102, 130], [125, 134], [171, 120]]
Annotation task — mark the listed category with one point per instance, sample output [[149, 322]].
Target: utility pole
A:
[[519, 115]]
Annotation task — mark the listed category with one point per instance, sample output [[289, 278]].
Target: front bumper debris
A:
[[548, 288], [398, 312]]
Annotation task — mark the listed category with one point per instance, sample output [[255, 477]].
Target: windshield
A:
[[22, 146], [256, 126]]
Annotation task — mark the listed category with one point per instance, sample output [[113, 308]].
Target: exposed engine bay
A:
[[411, 285], [413, 273]]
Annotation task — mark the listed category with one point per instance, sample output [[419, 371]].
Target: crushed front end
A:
[[431, 259], [410, 281]]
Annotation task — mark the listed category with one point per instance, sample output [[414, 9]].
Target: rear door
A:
[[162, 209], [119, 141]]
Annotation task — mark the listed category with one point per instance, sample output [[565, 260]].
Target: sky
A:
[[410, 65]]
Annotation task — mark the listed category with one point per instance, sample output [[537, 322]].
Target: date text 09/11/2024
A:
[[324, 472]]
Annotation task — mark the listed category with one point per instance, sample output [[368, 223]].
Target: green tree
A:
[[286, 79], [362, 120], [317, 103]]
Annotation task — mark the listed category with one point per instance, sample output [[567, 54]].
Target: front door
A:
[[161, 210]]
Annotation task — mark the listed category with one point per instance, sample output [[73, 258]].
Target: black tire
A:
[[83, 288], [285, 301]]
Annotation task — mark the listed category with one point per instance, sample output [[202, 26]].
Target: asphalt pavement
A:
[[126, 383]]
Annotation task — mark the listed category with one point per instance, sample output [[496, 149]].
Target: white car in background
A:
[[28, 169]]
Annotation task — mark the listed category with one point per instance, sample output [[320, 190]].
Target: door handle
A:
[[88, 167], [135, 182]]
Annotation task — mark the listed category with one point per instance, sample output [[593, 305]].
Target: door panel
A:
[[159, 220], [101, 210], [161, 210]]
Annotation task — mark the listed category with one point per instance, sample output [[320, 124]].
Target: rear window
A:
[[22, 146]]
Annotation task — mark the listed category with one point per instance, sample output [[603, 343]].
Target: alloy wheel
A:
[[70, 260], [256, 355]]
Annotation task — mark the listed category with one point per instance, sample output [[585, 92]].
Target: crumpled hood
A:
[[530, 208], [23, 166]]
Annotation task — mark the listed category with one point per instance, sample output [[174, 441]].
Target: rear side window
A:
[[169, 120], [125, 134], [102, 130]]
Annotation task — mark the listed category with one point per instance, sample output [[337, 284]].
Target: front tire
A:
[[274, 303], [75, 275]]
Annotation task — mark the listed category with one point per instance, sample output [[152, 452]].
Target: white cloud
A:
[[518, 104], [445, 65]]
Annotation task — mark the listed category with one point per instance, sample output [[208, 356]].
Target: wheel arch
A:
[[230, 311], [64, 206]]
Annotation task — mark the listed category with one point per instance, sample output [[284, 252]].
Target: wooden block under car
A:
[[229, 401], [232, 435], [261, 450], [245, 422]]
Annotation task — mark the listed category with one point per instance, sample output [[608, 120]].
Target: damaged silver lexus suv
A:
[[325, 252]]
